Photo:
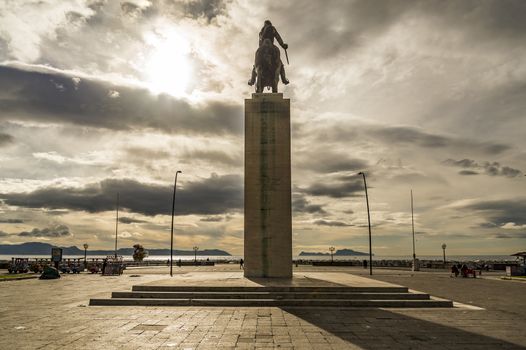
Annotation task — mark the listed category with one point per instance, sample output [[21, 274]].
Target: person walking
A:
[[464, 270], [241, 262], [104, 263], [454, 270]]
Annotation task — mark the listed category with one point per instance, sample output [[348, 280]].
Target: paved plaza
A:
[[53, 314]]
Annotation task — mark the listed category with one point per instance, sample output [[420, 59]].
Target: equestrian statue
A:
[[268, 67]]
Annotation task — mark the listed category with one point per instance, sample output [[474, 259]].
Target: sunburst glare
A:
[[168, 68]]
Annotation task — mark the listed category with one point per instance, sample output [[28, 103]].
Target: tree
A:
[[139, 253]]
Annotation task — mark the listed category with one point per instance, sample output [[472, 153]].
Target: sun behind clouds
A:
[[168, 68]]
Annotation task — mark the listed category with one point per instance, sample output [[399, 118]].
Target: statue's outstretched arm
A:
[[280, 41]]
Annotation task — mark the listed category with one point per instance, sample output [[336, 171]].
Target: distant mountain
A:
[[340, 252], [37, 248], [313, 254], [349, 252]]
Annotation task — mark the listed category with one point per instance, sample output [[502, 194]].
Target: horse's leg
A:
[[259, 88], [276, 79]]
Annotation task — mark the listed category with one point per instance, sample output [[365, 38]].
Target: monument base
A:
[[268, 216], [311, 289]]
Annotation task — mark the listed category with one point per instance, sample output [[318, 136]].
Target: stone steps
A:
[[271, 302], [237, 289], [272, 296]]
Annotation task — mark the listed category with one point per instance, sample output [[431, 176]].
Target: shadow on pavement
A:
[[384, 329]]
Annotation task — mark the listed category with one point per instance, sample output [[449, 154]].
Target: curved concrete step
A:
[[271, 302], [273, 295], [233, 289]]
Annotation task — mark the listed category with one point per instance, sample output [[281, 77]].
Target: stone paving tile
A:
[[58, 319]]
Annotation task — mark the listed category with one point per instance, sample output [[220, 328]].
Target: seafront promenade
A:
[[55, 314]]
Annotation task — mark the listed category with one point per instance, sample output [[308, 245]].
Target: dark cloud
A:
[[213, 156], [406, 136], [327, 162], [4, 234], [510, 172], [348, 188], [401, 134], [131, 10], [6, 139], [489, 20], [208, 9], [331, 223], [57, 231], [128, 220], [489, 168], [302, 205], [467, 172], [210, 196], [496, 148], [45, 95], [340, 26], [192, 9], [11, 221], [464, 163], [500, 212], [419, 137], [520, 235], [56, 212], [212, 219]]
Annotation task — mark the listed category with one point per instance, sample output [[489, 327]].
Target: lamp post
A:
[[172, 227], [331, 249], [415, 262], [85, 252], [444, 251], [196, 248], [116, 225], [369, 221]]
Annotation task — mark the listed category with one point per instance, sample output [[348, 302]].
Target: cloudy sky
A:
[[100, 97]]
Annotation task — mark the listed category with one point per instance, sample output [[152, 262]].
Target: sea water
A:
[[303, 257]]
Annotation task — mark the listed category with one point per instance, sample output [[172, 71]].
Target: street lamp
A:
[[444, 251], [369, 221], [331, 249], [415, 262], [85, 251], [116, 225], [196, 248], [172, 227]]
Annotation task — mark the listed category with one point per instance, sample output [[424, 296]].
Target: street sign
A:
[[56, 255]]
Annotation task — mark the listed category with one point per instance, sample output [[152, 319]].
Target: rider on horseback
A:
[[269, 32]]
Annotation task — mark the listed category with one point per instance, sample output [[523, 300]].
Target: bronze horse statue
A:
[[268, 66]]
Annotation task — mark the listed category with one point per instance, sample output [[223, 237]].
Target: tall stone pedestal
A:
[[268, 216]]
